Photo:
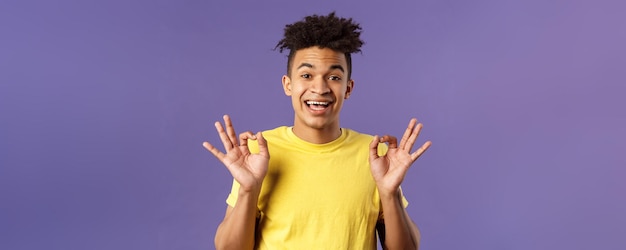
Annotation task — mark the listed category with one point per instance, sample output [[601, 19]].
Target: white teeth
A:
[[316, 103]]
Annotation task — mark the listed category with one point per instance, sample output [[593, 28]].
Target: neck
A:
[[317, 136]]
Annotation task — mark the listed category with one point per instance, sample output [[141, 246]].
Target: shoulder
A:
[[279, 135], [271, 136], [277, 132], [353, 135], [357, 138]]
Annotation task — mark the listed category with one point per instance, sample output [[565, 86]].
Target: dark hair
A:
[[336, 33]]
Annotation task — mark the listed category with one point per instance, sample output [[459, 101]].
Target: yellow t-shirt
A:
[[316, 196]]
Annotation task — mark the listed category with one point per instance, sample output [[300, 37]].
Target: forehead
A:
[[319, 57]]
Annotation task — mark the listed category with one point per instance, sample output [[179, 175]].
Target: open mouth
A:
[[317, 105]]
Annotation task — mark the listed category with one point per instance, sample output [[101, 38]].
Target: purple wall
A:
[[104, 106]]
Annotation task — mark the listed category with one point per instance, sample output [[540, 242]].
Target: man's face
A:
[[318, 85]]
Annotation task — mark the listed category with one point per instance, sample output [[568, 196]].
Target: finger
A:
[[420, 150], [374, 147], [230, 130], [262, 144], [219, 155], [411, 140], [243, 138], [391, 140], [228, 144], [407, 134]]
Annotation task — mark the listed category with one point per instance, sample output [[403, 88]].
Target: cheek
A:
[[342, 90], [295, 98], [297, 90]]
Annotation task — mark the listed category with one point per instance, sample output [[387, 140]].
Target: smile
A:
[[317, 105]]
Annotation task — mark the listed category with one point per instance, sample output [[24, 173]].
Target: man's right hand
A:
[[248, 169]]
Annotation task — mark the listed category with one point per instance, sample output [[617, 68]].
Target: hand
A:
[[248, 169], [389, 170]]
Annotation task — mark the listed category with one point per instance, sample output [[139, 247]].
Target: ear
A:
[[287, 85], [349, 88]]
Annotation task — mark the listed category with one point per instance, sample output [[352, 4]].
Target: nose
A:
[[320, 86]]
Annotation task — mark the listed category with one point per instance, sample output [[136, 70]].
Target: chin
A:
[[317, 126], [318, 123]]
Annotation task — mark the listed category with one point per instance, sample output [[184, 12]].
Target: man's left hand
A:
[[389, 170]]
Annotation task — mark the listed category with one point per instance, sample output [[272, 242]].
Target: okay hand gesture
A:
[[389, 170], [248, 169]]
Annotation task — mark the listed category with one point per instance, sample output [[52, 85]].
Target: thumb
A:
[[374, 148], [262, 144]]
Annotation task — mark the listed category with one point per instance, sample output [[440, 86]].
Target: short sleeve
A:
[[405, 204], [382, 149], [232, 197]]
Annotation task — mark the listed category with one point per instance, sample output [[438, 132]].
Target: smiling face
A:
[[318, 84]]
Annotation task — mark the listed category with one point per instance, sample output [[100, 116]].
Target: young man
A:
[[315, 185]]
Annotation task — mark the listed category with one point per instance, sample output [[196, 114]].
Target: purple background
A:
[[104, 106]]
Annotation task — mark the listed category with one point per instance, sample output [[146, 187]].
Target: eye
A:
[[334, 78], [306, 76]]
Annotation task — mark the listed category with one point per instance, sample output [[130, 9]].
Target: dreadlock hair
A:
[[338, 34]]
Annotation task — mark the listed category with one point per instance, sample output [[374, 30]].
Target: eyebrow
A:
[[335, 66]]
